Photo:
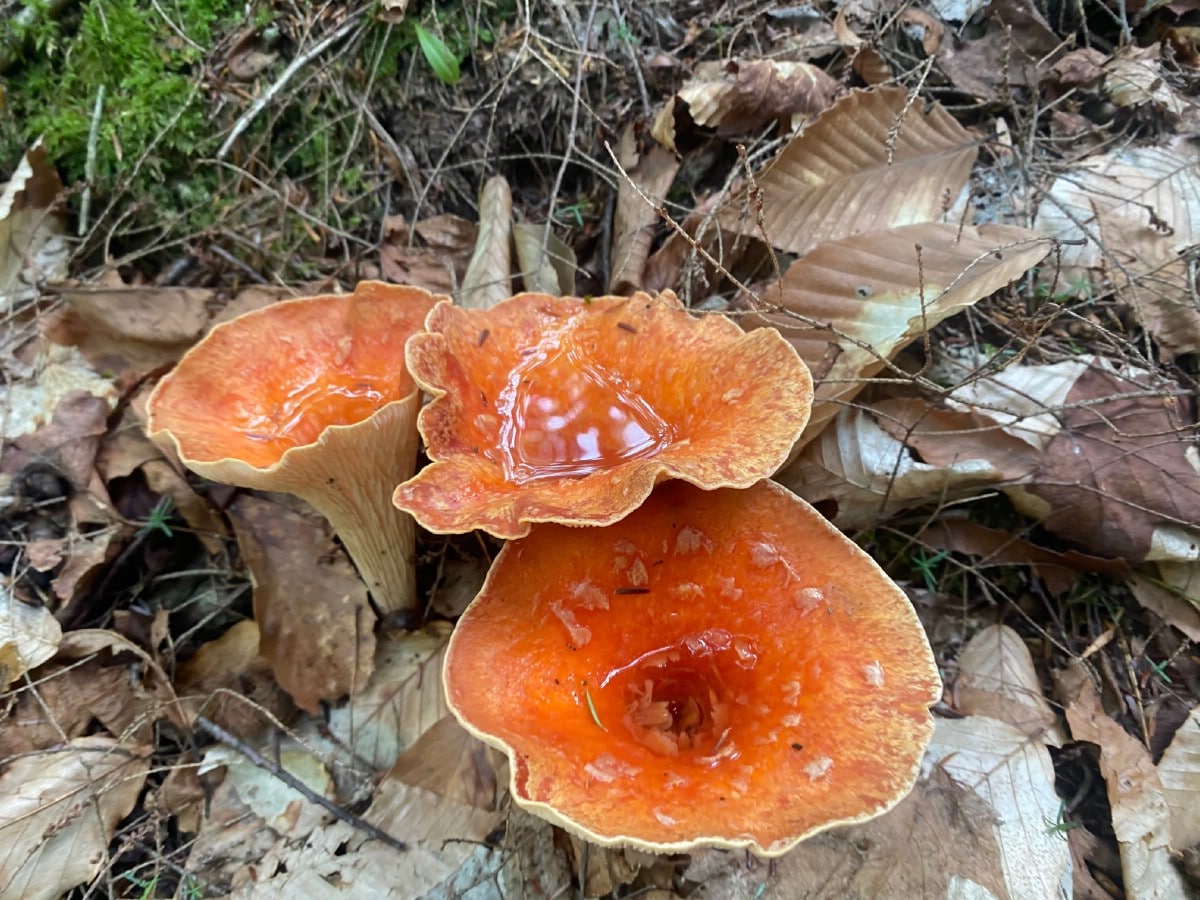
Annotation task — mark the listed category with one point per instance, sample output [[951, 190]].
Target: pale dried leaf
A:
[[868, 475], [281, 808], [996, 678], [33, 244], [652, 173], [1014, 776], [852, 304], [976, 825], [547, 264], [1179, 771], [29, 635], [29, 403], [1140, 815], [1154, 188], [58, 813], [1134, 77], [315, 622], [1172, 604], [334, 862], [741, 96], [873, 161], [454, 764], [402, 701], [489, 274]]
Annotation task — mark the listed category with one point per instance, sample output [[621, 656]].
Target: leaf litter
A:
[[1005, 417]]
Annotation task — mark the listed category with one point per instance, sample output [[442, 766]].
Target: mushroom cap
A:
[[720, 669], [568, 410], [272, 381]]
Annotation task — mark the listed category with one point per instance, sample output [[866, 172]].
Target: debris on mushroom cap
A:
[[559, 409], [720, 668], [311, 397]]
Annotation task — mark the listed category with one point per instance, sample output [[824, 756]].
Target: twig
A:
[[295, 783], [265, 98], [89, 163]]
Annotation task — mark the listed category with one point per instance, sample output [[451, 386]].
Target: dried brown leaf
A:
[[130, 330], [58, 813], [1015, 46], [1179, 771], [233, 685], [873, 161], [29, 635], [741, 96], [996, 678], [452, 763], [1140, 815], [852, 304], [547, 264], [859, 474], [1175, 604], [1000, 548], [68, 441], [314, 619], [438, 263], [33, 245], [489, 274], [1121, 475], [634, 220], [402, 701]]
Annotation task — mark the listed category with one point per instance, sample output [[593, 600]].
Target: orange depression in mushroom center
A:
[[564, 414], [294, 413]]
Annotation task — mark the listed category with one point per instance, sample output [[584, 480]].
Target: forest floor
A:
[[977, 223]]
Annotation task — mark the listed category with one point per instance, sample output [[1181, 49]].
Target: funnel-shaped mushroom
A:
[[557, 409], [722, 669], [311, 397]]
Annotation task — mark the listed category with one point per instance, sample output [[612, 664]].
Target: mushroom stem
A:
[[345, 485]]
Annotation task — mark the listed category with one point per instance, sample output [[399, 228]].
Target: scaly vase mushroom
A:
[[311, 397], [567, 410], [720, 668]]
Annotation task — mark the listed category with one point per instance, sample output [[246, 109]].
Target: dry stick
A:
[[569, 146], [295, 783], [265, 98], [89, 163]]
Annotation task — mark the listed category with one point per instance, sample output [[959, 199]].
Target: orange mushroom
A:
[[719, 669], [557, 409], [311, 397]]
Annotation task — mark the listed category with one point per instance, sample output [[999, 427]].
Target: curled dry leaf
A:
[[315, 624], [1136, 210], [58, 813], [741, 96], [850, 305], [858, 473], [1179, 771], [402, 700], [488, 278], [547, 264], [29, 635], [1140, 814], [996, 678], [872, 161], [652, 173], [33, 245]]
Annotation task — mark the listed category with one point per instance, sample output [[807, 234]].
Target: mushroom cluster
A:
[[673, 651]]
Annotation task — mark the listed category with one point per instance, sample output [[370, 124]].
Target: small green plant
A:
[[157, 520], [440, 57], [925, 564]]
